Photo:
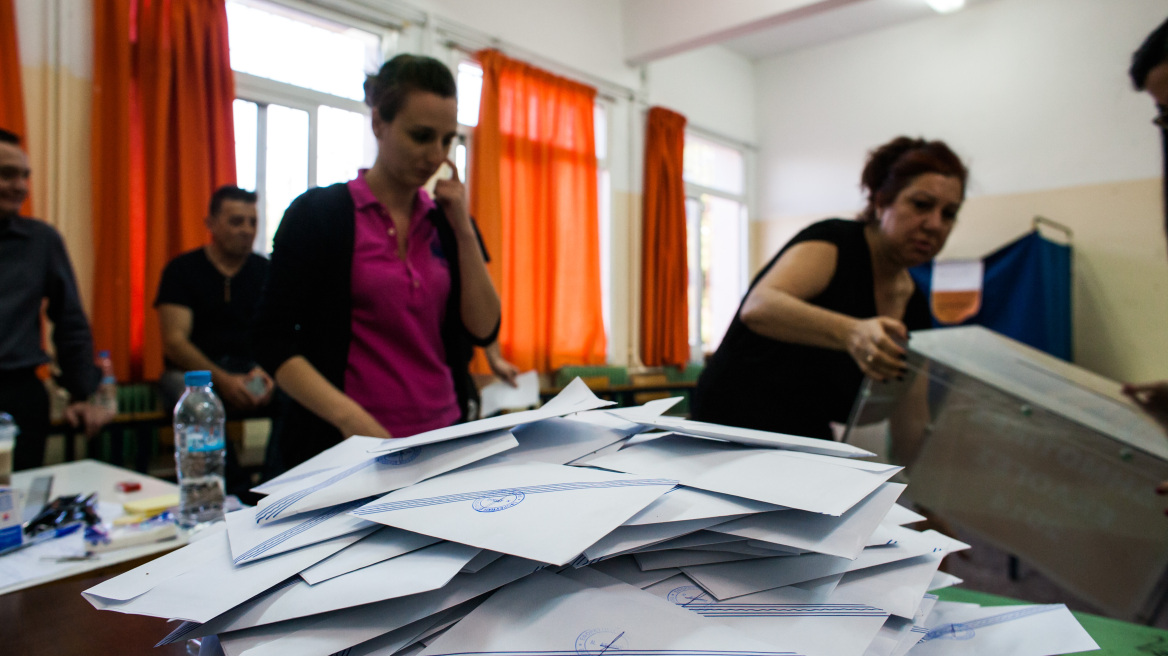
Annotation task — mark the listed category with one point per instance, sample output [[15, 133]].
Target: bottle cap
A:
[[103, 354], [197, 378]]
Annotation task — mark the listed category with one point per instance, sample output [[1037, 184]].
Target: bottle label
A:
[[199, 440]]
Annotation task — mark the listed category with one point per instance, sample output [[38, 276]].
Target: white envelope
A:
[[251, 541], [341, 629], [625, 569], [682, 503], [729, 580], [679, 558], [546, 613], [805, 628], [480, 561], [342, 454], [692, 540], [216, 585], [900, 516], [576, 397], [844, 536], [559, 440], [383, 544], [368, 476], [419, 571], [823, 485], [896, 587], [535, 510], [942, 580], [501, 396], [751, 548], [1003, 631], [745, 436], [145, 577], [626, 539]]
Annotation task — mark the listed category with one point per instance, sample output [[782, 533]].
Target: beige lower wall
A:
[[1120, 270]]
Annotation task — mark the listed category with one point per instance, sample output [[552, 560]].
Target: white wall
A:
[[712, 86], [1033, 93]]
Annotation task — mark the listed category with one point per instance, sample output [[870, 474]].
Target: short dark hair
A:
[[388, 89], [1151, 53], [9, 137], [893, 166], [230, 192]]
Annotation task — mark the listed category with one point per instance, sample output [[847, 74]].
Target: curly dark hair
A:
[[388, 89], [1151, 53], [891, 167]]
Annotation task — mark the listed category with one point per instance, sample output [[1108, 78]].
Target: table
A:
[[83, 477], [48, 615]]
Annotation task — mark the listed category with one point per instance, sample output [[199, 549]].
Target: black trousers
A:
[[24, 396]]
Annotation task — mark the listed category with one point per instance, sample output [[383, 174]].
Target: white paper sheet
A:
[[547, 613], [251, 541], [844, 536], [770, 475], [1003, 631], [371, 475], [383, 544], [805, 628], [501, 396], [683, 503], [745, 436], [331, 632], [217, 585], [576, 397], [544, 512], [426, 569], [729, 580]]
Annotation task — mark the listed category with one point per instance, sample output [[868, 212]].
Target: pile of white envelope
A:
[[577, 530]]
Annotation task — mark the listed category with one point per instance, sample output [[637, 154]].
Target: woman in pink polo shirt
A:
[[377, 291]]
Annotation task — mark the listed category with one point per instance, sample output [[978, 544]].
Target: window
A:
[[715, 208], [300, 117]]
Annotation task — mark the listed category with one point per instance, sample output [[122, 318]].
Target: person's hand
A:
[[875, 345], [506, 371], [269, 385], [450, 194], [362, 423], [233, 390], [88, 416], [1152, 397]]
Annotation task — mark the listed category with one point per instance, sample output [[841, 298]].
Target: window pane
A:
[[470, 91], [340, 149], [281, 44], [287, 164], [713, 165], [693, 228], [246, 120], [722, 239], [460, 161], [600, 123]]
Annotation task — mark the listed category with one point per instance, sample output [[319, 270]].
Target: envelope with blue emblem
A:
[[545, 512]]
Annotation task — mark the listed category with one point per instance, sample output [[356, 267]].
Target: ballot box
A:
[[1039, 457]]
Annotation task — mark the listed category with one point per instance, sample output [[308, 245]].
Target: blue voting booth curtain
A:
[[1026, 293]]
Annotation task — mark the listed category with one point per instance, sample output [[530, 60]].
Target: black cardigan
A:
[[306, 310]]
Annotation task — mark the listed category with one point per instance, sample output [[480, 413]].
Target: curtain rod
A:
[[470, 40]]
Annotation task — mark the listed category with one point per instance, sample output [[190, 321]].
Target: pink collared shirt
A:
[[397, 367]]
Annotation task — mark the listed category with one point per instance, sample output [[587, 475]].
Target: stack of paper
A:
[[572, 529]]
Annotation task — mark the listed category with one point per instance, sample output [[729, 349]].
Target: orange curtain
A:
[[163, 140], [533, 190], [664, 275], [11, 91]]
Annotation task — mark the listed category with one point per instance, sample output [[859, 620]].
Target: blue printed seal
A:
[[594, 642], [686, 595], [497, 502], [403, 457]]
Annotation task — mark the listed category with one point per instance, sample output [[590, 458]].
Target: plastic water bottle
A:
[[8, 433], [107, 391], [199, 452]]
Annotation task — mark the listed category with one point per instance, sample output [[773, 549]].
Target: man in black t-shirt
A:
[[206, 301]]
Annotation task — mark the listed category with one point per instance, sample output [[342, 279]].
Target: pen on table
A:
[[44, 536]]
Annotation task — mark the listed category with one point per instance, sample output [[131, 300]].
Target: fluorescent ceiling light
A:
[[946, 6]]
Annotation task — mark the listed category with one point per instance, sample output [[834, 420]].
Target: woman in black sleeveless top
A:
[[837, 302]]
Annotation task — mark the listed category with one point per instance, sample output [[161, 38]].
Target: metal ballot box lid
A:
[[1035, 455]]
